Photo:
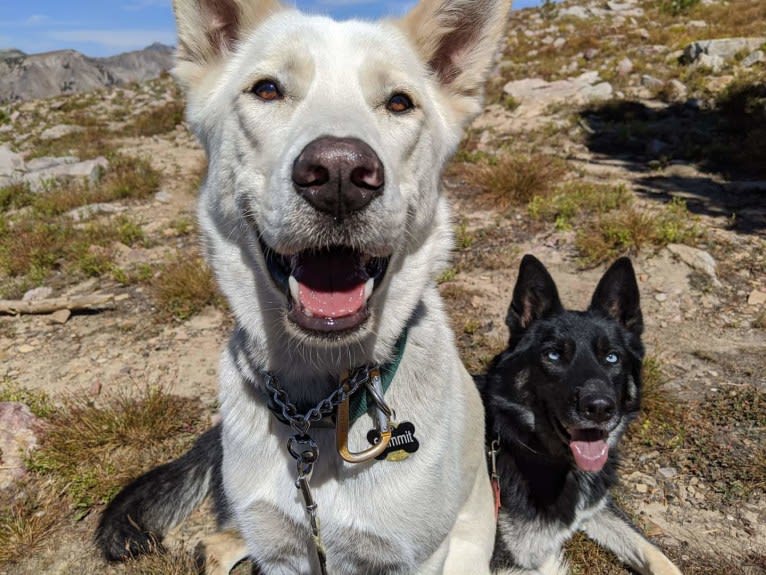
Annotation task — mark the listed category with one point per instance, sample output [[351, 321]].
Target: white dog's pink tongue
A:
[[589, 455], [330, 284], [332, 304]]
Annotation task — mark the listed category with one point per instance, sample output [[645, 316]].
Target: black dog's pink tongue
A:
[[589, 449], [331, 284]]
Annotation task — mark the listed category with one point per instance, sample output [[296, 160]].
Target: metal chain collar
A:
[[302, 447], [301, 422]]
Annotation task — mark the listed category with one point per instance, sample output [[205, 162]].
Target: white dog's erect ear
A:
[[209, 28], [458, 39]]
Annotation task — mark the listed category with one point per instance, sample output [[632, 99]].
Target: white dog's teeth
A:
[[368, 286], [294, 290], [307, 313]]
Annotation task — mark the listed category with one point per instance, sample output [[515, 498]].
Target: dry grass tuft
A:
[[630, 230], [38, 402], [512, 180], [588, 558], [90, 449], [89, 144], [15, 196], [577, 199], [490, 248], [169, 562], [159, 120], [184, 287], [127, 178], [26, 522]]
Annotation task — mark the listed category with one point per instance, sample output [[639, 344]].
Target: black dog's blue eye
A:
[[267, 90], [553, 355], [612, 358]]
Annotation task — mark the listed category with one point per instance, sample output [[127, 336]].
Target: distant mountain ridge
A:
[[36, 76]]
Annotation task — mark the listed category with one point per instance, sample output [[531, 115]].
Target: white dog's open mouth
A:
[[327, 290]]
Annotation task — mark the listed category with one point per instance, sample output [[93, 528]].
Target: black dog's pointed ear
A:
[[617, 296], [535, 295]]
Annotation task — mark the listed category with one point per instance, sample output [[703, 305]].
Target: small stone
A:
[[625, 67], [713, 63], [601, 91], [643, 33], [575, 12], [661, 297], [667, 472], [26, 348], [756, 297], [641, 488], [695, 258], [61, 316], [38, 293], [590, 53], [162, 196], [652, 83], [88, 211], [95, 388], [676, 89], [559, 43], [754, 58]]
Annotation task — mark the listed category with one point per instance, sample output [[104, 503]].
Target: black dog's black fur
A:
[[533, 393]]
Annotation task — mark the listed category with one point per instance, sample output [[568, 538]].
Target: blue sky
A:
[[105, 27]]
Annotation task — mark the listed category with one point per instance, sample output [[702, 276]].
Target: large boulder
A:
[[10, 161], [535, 94], [723, 48], [64, 169], [56, 132]]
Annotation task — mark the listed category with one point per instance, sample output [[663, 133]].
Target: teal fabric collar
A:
[[360, 402]]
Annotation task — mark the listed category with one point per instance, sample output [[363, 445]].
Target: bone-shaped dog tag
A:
[[402, 444]]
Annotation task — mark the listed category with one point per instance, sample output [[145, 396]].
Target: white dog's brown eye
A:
[[267, 90], [399, 103]]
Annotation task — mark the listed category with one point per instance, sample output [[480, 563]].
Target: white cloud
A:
[[119, 39]]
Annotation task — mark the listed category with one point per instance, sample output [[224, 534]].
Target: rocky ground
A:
[[610, 128]]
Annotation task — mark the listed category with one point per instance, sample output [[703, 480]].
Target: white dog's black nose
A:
[[338, 176]]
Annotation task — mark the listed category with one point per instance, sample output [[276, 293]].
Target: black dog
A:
[[558, 400]]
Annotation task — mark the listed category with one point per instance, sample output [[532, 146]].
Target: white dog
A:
[[325, 226]]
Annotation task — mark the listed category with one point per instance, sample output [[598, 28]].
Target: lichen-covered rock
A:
[[20, 431]]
